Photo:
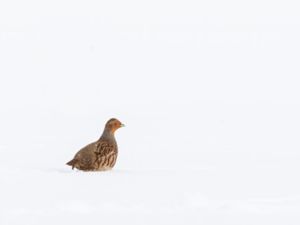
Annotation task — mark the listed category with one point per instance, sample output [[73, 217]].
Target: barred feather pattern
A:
[[106, 155]]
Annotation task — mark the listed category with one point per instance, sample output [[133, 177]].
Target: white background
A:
[[208, 90]]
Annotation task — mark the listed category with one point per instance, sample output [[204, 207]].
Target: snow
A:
[[208, 91]]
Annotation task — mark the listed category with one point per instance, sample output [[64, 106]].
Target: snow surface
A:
[[208, 90]]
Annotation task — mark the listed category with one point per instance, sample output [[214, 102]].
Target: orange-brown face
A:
[[113, 124]]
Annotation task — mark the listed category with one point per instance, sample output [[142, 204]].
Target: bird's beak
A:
[[122, 125]]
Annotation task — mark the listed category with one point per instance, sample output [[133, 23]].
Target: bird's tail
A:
[[72, 163]]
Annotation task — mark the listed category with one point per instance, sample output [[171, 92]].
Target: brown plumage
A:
[[100, 155]]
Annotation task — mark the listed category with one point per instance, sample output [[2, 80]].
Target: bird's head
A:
[[113, 124]]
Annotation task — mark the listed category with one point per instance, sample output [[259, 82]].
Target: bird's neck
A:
[[107, 135]]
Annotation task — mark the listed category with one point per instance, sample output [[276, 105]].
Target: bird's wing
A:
[[84, 158]]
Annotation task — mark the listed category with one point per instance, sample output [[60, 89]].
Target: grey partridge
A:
[[100, 155]]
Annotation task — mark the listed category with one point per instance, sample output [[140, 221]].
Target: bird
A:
[[100, 155]]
